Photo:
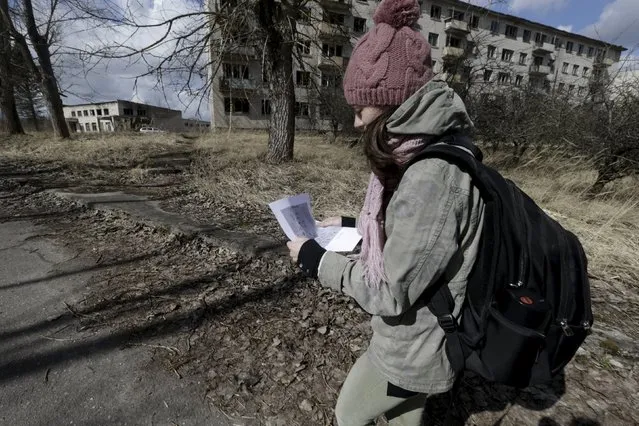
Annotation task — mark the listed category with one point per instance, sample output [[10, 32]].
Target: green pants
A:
[[363, 399]]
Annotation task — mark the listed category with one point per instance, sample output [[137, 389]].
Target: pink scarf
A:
[[371, 223]]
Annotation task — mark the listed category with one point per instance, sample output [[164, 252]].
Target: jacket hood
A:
[[435, 109]]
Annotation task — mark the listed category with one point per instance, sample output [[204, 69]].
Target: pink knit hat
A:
[[390, 62]]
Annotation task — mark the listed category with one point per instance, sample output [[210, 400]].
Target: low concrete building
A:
[[120, 115], [191, 125]]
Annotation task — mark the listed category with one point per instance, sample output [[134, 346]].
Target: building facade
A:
[[120, 115], [471, 45]]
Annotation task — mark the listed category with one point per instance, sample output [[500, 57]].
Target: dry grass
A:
[[116, 149], [336, 177], [232, 167]]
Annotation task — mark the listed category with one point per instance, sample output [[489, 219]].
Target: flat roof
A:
[[538, 24], [123, 101]]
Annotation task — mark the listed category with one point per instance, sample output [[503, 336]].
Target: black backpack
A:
[[527, 308]]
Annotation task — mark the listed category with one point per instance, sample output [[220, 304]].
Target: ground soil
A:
[[272, 346]]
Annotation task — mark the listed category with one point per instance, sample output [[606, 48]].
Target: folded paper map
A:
[[295, 216]]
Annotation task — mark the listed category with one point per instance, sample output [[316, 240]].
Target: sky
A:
[[615, 21]]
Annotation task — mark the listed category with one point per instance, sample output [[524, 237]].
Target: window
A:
[[72, 113], [359, 25], [503, 77], [237, 105], [561, 87], [457, 15], [569, 46], [98, 111], [511, 31], [491, 51], [331, 80], [435, 12], [575, 69], [86, 113], [106, 111], [527, 35], [571, 88], [86, 128], [334, 18], [303, 78], [94, 127], [581, 90], [470, 47], [591, 52], [487, 75], [453, 41], [494, 27], [302, 109], [564, 69], [474, 21], [433, 38], [304, 47], [235, 71], [540, 38], [522, 58], [330, 50], [585, 72], [580, 49], [141, 113], [266, 107], [559, 43], [128, 111], [519, 80], [507, 55], [92, 112]]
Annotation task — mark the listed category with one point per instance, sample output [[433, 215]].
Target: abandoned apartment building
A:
[[468, 42]]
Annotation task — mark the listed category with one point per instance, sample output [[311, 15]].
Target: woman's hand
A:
[[331, 221], [295, 246]]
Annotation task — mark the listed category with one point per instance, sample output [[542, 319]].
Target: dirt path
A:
[[273, 348]]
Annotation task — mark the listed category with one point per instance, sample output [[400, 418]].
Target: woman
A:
[[420, 225]]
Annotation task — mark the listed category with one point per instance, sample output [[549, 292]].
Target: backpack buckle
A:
[[448, 323]]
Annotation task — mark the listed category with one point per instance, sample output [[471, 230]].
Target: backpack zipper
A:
[[523, 260]]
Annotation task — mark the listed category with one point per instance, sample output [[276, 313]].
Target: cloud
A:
[[537, 5], [84, 78], [565, 28], [618, 23]]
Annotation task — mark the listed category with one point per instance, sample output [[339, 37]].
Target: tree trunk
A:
[[8, 108], [7, 95], [278, 26], [49, 84], [282, 125]]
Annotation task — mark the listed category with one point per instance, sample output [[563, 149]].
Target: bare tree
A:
[[7, 98], [27, 36]]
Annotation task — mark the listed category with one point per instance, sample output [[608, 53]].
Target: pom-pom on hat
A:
[[390, 62]]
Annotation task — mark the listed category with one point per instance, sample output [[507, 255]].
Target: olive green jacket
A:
[[433, 225]]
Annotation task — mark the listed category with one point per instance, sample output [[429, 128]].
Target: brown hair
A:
[[377, 150], [380, 156]]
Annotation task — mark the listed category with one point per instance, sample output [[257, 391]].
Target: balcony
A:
[[451, 53], [239, 84], [543, 48], [334, 31], [603, 62], [332, 62], [337, 5], [540, 70], [455, 26], [242, 52]]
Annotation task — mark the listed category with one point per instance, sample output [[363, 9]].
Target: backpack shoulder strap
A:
[[441, 302]]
